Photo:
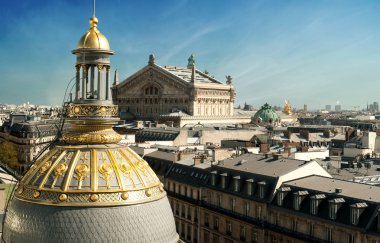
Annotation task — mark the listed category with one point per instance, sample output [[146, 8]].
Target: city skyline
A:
[[313, 53]]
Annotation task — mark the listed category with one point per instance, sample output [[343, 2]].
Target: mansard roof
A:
[[329, 190]]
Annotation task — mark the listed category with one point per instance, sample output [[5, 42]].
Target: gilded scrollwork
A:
[[42, 170], [104, 136], [87, 110], [105, 170], [59, 171]]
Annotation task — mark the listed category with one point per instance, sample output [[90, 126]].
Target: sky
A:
[[314, 52]]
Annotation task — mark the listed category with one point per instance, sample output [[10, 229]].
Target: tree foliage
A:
[[8, 154]]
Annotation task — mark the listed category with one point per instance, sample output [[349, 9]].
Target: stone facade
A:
[[169, 92], [226, 204], [29, 137]]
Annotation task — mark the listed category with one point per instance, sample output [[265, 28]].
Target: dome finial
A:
[[93, 20], [93, 8]]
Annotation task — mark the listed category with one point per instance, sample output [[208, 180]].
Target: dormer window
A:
[[236, 181], [213, 177], [281, 194], [315, 200], [356, 210], [223, 180], [298, 197], [249, 187], [334, 205], [261, 186]]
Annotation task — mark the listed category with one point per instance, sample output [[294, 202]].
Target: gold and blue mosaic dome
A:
[[92, 176]]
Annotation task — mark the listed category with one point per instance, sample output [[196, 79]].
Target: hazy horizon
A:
[[307, 52]]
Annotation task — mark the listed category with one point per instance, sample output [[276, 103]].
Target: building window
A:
[[258, 212], [314, 206], [329, 234], [254, 236], [215, 238], [233, 204], [213, 178], [281, 193], [297, 202], [294, 225], [261, 185], [195, 235], [277, 219], [206, 220], [228, 227], [334, 206], [177, 208], [356, 210], [224, 180], [351, 238], [249, 187], [298, 198], [273, 239], [183, 211], [246, 208], [188, 235], [188, 213], [314, 203], [242, 232], [311, 229], [219, 200], [216, 223], [206, 236], [236, 183], [182, 230]]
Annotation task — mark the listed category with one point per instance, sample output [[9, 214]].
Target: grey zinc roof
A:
[[147, 222], [259, 164], [328, 185]]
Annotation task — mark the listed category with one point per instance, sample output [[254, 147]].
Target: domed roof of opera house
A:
[[265, 115]]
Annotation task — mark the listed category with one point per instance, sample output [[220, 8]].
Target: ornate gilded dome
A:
[[93, 39], [89, 187], [266, 115], [93, 176]]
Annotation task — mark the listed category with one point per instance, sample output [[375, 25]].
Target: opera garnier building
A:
[[88, 187]]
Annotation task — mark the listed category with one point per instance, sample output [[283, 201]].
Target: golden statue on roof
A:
[[287, 108]]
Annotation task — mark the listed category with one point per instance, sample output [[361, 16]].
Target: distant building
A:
[[374, 107], [248, 107], [305, 108], [328, 107], [266, 116], [183, 95], [338, 107], [29, 134]]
